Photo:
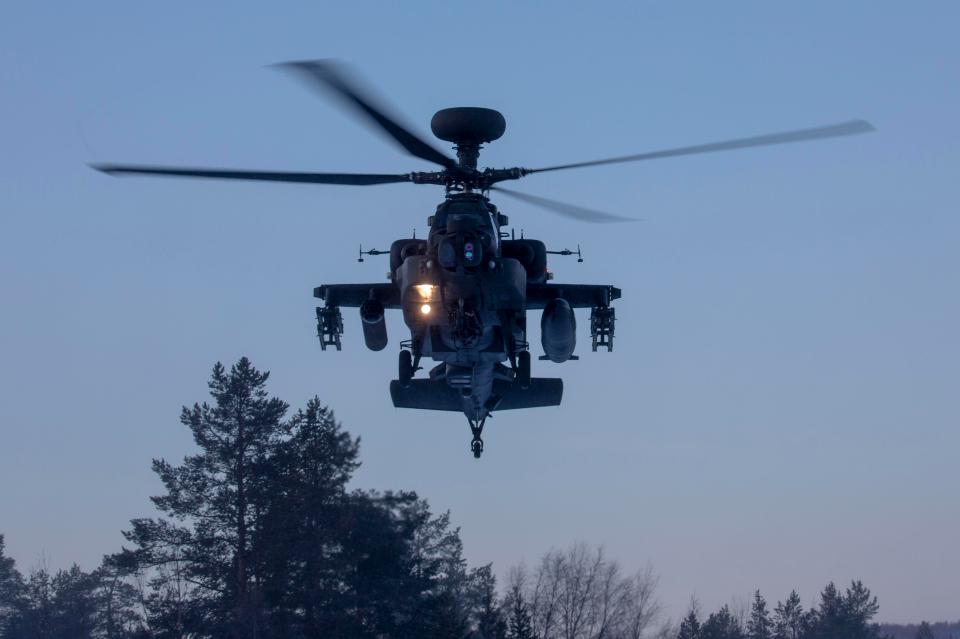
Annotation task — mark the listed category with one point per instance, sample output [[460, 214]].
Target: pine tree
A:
[[925, 631], [847, 615], [759, 625], [11, 591], [73, 604], [304, 543], [519, 621], [214, 502], [690, 626], [788, 618], [486, 614], [721, 625], [118, 602]]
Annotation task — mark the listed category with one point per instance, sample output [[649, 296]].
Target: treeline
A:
[[924, 630], [847, 615], [258, 536]]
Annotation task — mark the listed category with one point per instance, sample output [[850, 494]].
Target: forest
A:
[[258, 535]]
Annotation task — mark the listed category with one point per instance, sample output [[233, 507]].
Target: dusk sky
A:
[[781, 409]]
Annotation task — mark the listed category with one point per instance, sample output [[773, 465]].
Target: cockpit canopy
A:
[[463, 232]]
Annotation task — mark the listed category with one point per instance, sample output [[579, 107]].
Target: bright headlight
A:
[[425, 291], [425, 309]]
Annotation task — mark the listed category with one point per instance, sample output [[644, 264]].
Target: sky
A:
[[781, 409]]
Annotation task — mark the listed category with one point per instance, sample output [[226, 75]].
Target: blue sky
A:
[[781, 409]]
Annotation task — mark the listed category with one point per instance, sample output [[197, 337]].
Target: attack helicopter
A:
[[464, 291]]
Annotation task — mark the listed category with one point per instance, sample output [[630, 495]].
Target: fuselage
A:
[[463, 301]]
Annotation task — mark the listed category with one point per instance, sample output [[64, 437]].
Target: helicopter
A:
[[464, 291]]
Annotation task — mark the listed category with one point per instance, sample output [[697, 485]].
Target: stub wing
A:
[[428, 394], [577, 295], [356, 294]]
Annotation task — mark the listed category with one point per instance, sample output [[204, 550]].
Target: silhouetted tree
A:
[[214, 502], [925, 631], [690, 626], [580, 594], [721, 625], [11, 591], [311, 524], [519, 622], [759, 625], [788, 618], [847, 615], [119, 605], [487, 620], [35, 614]]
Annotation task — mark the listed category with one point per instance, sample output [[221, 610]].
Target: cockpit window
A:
[[447, 254]]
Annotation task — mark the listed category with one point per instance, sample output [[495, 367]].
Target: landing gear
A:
[[405, 373], [476, 445]]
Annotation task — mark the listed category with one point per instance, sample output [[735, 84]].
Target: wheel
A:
[[477, 447], [523, 369], [406, 369]]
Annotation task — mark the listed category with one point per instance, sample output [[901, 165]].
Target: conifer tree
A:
[[924, 631], [788, 618], [487, 617], [214, 504], [721, 625], [519, 621], [11, 591], [759, 625], [690, 626]]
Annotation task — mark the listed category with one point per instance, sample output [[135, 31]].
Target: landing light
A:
[[425, 309], [426, 292]]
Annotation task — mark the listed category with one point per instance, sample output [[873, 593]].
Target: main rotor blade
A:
[[853, 127], [357, 179], [569, 210], [326, 74]]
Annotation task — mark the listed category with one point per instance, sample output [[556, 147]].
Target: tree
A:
[[303, 543], [848, 614], [788, 618], [721, 625], [519, 622], [119, 609], [74, 604], [11, 590], [925, 631], [690, 626], [214, 502], [579, 593], [759, 625], [487, 620]]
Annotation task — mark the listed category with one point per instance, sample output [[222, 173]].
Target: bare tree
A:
[[579, 593]]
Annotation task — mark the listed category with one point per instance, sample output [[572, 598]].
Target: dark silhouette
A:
[[759, 625]]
